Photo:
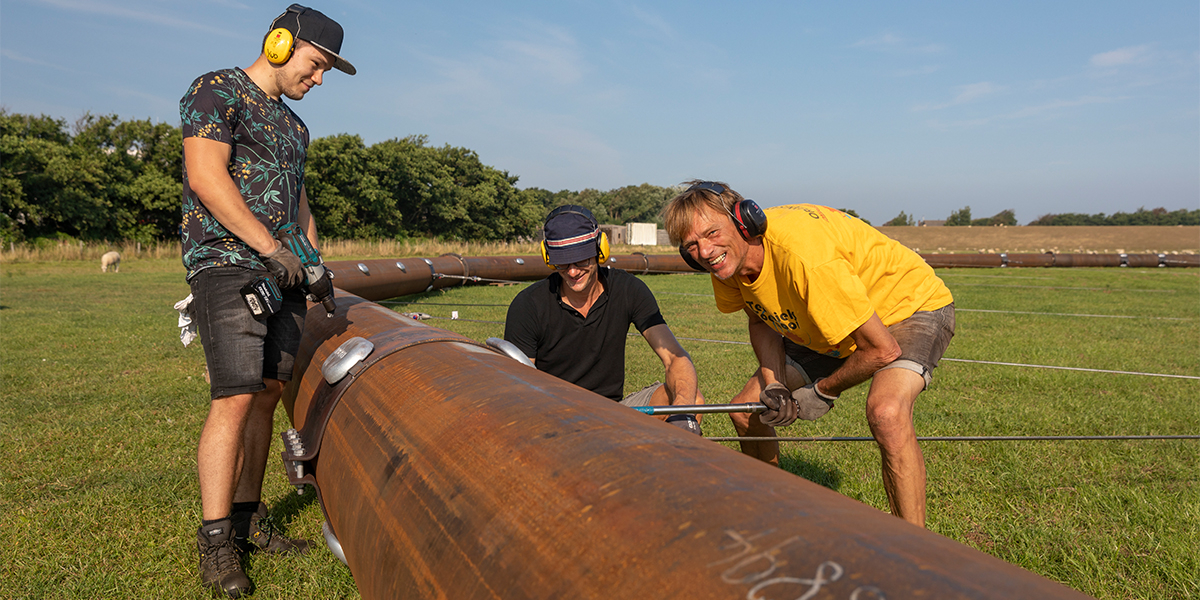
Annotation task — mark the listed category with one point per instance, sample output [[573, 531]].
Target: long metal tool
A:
[[693, 409], [960, 438]]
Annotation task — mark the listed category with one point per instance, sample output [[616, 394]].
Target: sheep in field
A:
[[110, 259]]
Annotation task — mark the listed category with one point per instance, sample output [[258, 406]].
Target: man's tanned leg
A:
[[749, 425], [890, 415]]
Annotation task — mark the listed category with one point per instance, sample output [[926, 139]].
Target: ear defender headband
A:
[[748, 218], [602, 249], [281, 41]]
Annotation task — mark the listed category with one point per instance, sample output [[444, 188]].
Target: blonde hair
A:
[[683, 208]]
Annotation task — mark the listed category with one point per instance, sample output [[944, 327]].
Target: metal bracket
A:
[[350, 353], [331, 540], [510, 350]]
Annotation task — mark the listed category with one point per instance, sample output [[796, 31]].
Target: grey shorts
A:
[[923, 339], [240, 350], [642, 396]]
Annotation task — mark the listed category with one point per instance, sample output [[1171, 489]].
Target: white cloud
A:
[[549, 51], [966, 94], [100, 8], [1122, 56], [9, 54], [893, 43], [925, 70], [653, 21], [1055, 106]]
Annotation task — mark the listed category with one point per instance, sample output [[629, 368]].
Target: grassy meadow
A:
[[101, 407]]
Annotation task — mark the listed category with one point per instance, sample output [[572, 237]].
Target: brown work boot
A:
[[256, 531], [220, 561]]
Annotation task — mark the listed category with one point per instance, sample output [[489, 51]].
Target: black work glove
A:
[[811, 403], [781, 409], [685, 422], [285, 267]]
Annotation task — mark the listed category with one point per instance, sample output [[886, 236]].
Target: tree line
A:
[[101, 178], [1008, 218], [1156, 216]]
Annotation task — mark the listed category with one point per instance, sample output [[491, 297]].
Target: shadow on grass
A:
[[286, 508], [819, 473]]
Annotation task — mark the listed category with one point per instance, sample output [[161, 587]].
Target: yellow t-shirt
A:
[[824, 273]]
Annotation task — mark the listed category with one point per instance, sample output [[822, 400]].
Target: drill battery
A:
[[262, 297]]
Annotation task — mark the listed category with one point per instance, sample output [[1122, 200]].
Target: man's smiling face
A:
[[715, 243]]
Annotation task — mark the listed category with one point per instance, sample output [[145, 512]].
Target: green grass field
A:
[[101, 407]]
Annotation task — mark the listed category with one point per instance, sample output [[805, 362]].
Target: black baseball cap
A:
[[572, 235], [317, 29]]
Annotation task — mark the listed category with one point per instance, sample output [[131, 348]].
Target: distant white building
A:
[[616, 233], [642, 234]]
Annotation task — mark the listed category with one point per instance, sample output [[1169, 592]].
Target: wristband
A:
[[681, 417], [822, 395]]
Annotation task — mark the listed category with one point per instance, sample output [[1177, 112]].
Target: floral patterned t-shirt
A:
[[269, 144]]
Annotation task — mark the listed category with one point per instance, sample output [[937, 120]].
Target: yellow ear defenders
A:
[[280, 42], [602, 248]]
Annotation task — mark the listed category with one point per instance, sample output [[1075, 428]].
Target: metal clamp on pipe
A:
[[466, 269], [510, 350], [339, 371], [433, 274]]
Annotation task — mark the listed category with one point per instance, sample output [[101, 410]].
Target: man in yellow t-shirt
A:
[[831, 303]]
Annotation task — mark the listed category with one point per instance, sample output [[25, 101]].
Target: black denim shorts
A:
[[923, 339], [240, 350]]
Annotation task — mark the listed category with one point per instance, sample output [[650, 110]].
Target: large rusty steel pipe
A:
[[447, 470], [1061, 260], [379, 279]]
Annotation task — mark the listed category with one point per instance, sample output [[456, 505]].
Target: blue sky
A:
[[924, 107]]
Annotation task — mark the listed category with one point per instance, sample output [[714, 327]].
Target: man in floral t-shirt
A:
[[244, 154]]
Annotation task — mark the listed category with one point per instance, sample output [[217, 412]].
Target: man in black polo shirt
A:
[[573, 324]]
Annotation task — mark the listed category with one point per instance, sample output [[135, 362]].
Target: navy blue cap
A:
[[572, 235]]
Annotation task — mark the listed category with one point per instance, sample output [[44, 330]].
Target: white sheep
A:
[[110, 259]]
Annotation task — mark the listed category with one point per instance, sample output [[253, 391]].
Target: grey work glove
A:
[[781, 409], [811, 403], [685, 422], [285, 267]]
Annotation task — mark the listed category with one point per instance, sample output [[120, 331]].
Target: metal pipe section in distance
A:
[[379, 279], [447, 470]]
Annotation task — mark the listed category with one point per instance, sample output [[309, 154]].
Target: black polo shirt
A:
[[589, 352]]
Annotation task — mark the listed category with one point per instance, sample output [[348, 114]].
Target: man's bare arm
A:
[[680, 377], [307, 222], [876, 349], [768, 347], [208, 176]]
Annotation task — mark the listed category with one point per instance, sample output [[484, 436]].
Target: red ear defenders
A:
[[602, 248], [748, 218]]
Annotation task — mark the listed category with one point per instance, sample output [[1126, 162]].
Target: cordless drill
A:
[[318, 281]]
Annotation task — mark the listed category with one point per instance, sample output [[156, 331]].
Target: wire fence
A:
[[960, 438]]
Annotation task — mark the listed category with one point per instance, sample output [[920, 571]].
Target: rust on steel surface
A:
[[447, 470]]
